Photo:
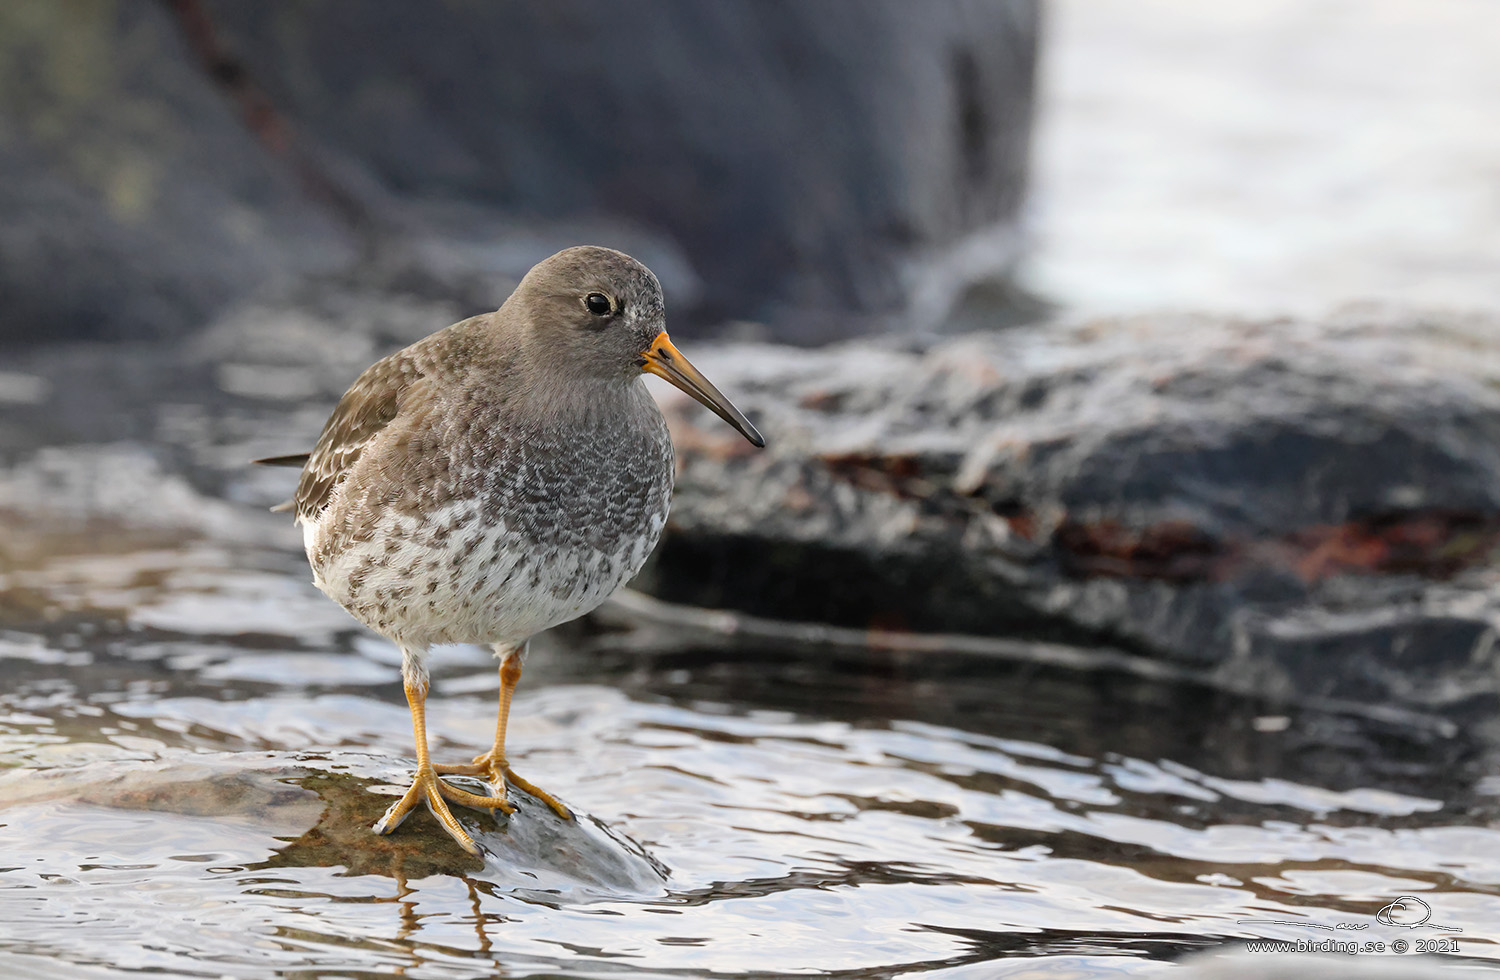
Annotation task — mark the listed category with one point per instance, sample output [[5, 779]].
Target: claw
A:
[[427, 787]]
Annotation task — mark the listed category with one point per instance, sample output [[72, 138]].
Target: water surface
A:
[[840, 814]]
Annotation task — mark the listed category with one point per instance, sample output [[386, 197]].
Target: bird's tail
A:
[[295, 459]]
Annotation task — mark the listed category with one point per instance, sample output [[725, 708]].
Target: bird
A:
[[497, 478]]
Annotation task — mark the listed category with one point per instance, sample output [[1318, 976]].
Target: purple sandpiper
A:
[[495, 479]]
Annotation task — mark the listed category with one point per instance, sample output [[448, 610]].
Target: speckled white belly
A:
[[476, 583]]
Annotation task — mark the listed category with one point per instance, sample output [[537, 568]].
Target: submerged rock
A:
[[531, 853], [1300, 509], [282, 809]]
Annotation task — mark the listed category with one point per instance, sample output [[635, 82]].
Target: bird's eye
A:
[[598, 304]]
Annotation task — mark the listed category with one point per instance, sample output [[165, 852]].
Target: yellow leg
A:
[[492, 766], [426, 786]]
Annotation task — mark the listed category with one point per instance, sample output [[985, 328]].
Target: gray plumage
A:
[[503, 475]]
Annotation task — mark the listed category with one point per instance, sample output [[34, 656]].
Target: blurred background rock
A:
[[810, 168], [797, 172]]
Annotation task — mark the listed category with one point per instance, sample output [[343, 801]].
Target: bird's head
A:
[[599, 314]]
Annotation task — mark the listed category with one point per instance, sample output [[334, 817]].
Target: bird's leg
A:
[[425, 785], [492, 766], [494, 760]]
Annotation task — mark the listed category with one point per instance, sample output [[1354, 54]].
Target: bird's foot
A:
[[427, 787], [496, 772]]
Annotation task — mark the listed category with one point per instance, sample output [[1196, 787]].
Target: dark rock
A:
[[823, 167], [1301, 509]]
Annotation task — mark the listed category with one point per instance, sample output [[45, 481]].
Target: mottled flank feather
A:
[[369, 405]]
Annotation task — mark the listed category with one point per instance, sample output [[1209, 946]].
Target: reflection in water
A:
[[179, 722]]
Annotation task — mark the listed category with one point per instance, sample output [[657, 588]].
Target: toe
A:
[[439, 809], [539, 793], [458, 770], [398, 811], [497, 802], [426, 787]]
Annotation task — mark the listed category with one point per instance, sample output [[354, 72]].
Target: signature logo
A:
[[1410, 912], [1406, 912]]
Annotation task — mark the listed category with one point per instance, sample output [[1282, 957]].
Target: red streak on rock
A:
[[1433, 544], [898, 475], [1175, 551]]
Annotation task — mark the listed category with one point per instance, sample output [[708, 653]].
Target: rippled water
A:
[[841, 814]]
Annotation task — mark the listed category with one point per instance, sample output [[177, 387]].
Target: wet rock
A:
[[316, 810], [822, 165], [1299, 509], [530, 853]]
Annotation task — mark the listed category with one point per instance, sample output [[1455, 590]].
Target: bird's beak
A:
[[666, 361]]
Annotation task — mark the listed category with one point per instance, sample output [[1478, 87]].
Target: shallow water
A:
[[840, 814]]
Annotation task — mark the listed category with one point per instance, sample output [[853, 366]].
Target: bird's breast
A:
[[526, 527], [593, 488], [556, 525]]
